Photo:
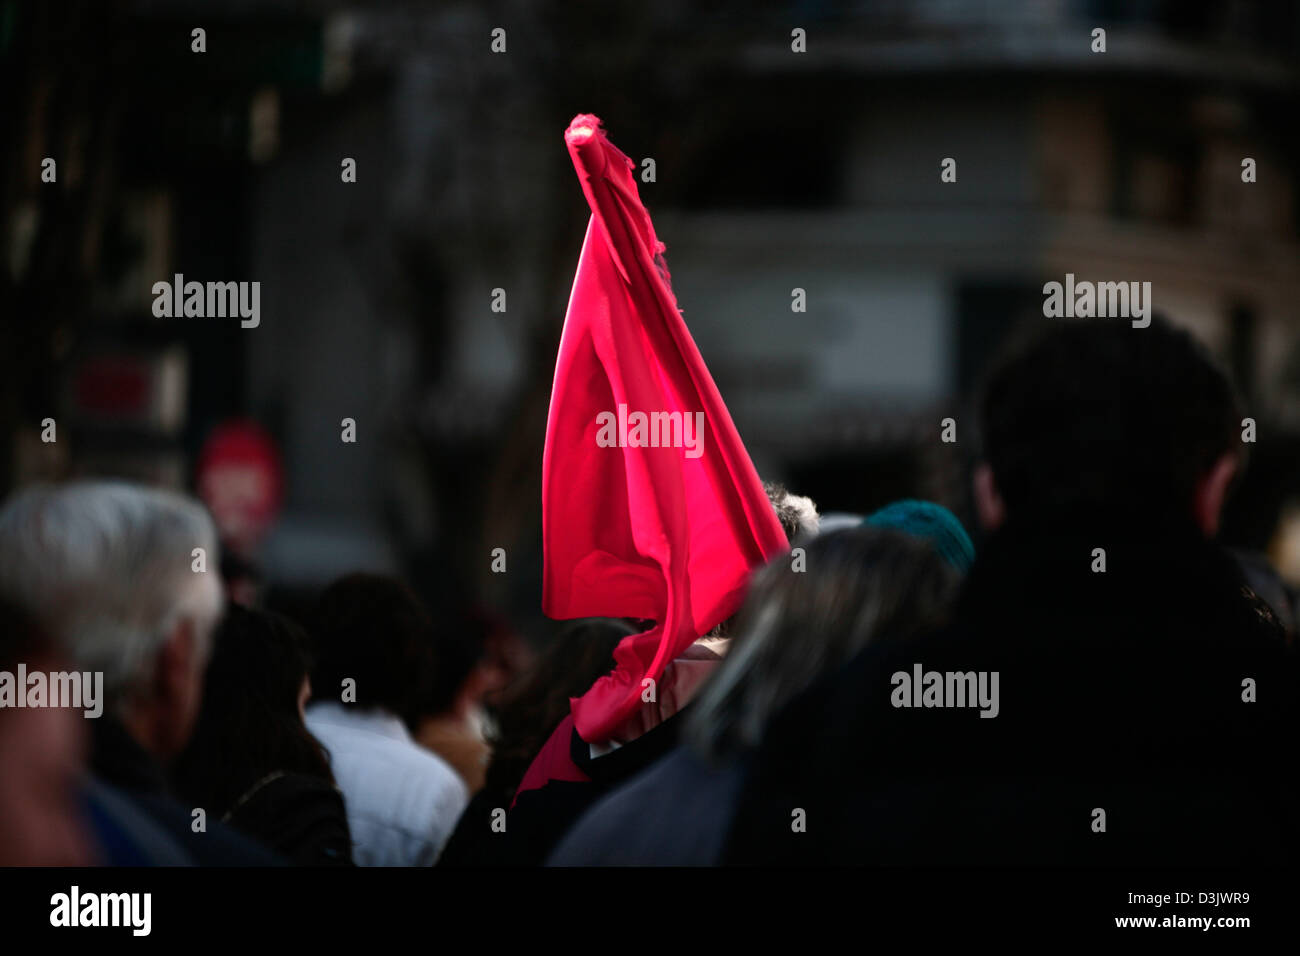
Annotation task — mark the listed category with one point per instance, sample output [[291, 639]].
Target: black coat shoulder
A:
[[301, 817]]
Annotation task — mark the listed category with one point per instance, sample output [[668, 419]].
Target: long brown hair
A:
[[859, 585], [249, 726]]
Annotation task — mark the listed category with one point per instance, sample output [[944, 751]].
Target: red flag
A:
[[659, 517]]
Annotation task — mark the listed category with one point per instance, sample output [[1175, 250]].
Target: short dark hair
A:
[[374, 630], [1103, 414]]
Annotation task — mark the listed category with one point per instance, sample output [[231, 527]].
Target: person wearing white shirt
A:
[[402, 801], [377, 653]]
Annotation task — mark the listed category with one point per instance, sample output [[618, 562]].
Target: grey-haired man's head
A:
[[110, 571]]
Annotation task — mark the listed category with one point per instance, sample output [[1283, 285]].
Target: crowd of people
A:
[[1108, 687]]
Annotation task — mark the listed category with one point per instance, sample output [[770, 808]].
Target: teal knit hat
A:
[[935, 523]]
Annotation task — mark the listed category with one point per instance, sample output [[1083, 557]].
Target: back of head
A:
[[932, 523], [373, 630], [107, 568], [861, 584], [1105, 415]]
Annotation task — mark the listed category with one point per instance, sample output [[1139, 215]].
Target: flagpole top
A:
[[583, 128]]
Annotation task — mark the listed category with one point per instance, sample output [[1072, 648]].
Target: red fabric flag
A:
[[651, 507]]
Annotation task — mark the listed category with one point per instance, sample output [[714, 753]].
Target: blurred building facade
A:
[[775, 171]]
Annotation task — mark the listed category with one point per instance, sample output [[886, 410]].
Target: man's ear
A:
[[1212, 491], [989, 507]]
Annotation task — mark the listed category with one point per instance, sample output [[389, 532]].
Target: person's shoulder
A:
[[328, 718], [436, 773], [127, 834], [215, 845], [298, 789], [634, 825], [299, 815], [416, 776]]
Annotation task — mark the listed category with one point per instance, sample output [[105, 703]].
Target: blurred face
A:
[[304, 694], [190, 697], [181, 666], [41, 752]]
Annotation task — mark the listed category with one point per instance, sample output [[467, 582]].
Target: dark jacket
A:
[[1120, 693], [301, 817], [677, 812], [539, 818], [120, 762], [124, 834]]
